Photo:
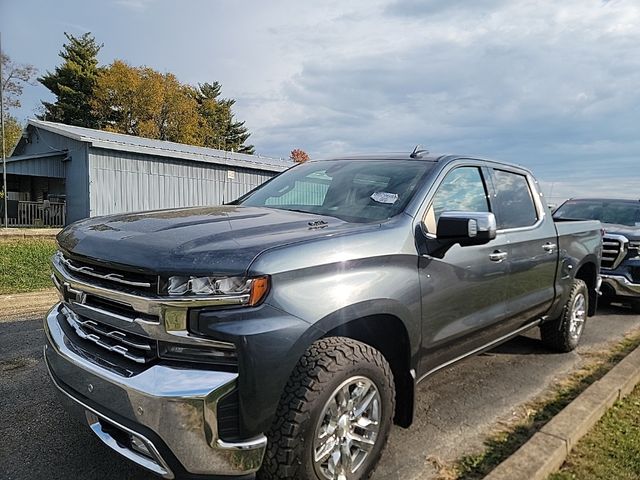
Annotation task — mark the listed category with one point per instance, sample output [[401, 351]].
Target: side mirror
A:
[[467, 228]]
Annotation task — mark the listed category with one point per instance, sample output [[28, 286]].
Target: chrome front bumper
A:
[[621, 285], [177, 405]]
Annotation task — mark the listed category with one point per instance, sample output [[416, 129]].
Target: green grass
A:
[[502, 444], [611, 450], [24, 265]]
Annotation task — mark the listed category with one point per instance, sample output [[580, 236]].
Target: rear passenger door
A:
[[532, 248]]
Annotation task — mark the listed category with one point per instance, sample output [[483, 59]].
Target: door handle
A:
[[498, 256], [549, 247]]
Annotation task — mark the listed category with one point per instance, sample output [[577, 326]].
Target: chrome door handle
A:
[[497, 256], [549, 247]]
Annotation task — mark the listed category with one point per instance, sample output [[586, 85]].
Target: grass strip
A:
[[501, 444], [611, 449], [24, 265]]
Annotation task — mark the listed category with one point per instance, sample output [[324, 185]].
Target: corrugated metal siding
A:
[[52, 167], [128, 182]]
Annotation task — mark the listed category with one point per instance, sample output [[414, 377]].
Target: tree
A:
[[14, 77], [299, 156], [141, 101], [73, 82], [12, 133], [218, 126]]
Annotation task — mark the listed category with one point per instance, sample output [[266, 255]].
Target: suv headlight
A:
[[251, 290]]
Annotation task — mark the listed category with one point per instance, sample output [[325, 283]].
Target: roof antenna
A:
[[418, 151]]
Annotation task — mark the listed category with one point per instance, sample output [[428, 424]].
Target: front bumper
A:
[[163, 419], [621, 285]]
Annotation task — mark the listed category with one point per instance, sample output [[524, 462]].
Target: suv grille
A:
[[87, 271], [613, 251], [89, 332]]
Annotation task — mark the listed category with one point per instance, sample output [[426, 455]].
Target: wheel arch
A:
[[387, 334], [588, 273]]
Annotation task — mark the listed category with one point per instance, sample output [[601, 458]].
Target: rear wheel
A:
[[563, 334], [335, 415]]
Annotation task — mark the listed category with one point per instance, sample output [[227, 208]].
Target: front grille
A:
[[635, 274], [134, 348], [612, 251], [229, 417], [110, 276]]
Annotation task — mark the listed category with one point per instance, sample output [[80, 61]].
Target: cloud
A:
[[551, 85], [546, 84], [135, 5]]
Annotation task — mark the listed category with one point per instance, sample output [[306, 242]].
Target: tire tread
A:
[[320, 363]]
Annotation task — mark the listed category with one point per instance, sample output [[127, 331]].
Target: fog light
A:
[[221, 353]]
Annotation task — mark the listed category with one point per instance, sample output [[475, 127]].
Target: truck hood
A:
[[632, 233], [200, 240]]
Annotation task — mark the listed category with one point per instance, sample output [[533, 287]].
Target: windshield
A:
[[352, 190], [607, 211]]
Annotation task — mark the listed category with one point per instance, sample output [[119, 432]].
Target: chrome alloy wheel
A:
[[347, 430], [578, 315]]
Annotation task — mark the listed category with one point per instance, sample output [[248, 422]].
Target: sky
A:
[[551, 85]]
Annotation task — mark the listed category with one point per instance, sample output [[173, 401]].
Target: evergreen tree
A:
[[219, 129], [73, 82]]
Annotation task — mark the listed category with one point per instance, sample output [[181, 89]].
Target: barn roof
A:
[[130, 143]]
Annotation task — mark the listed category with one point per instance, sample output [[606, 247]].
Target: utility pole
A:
[[4, 155]]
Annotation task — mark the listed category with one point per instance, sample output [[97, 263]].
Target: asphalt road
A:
[[456, 409]]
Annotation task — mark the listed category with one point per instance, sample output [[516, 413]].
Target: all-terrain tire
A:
[[325, 365], [557, 334]]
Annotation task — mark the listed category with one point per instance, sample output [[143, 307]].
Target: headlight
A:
[[252, 289]]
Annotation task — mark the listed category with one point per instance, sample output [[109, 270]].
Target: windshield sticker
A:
[[384, 197]]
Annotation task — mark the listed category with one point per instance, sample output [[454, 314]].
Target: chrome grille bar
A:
[[614, 249], [96, 336], [113, 277]]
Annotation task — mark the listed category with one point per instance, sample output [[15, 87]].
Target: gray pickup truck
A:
[[285, 333]]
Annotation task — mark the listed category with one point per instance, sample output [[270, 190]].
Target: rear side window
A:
[[515, 205]]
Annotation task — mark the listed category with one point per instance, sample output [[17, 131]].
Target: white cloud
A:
[[135, 5], [552, 85]]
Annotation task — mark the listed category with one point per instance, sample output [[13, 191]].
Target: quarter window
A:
[[462, 190], [514, 202]]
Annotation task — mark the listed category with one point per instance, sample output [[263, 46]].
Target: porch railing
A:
[[39, 214]]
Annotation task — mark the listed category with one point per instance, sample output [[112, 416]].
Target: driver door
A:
[[464, 289]]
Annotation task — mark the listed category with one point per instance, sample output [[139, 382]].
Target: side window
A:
[[461, 190], [514, 202]]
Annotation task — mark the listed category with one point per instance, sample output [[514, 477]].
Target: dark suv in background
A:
[[621, 247]]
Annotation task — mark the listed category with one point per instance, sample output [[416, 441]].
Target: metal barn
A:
[[60, 173]]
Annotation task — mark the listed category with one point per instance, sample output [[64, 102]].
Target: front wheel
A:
[[335, 415], [563, 334]]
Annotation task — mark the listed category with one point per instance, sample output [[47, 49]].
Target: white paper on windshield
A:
[[384, 197]]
